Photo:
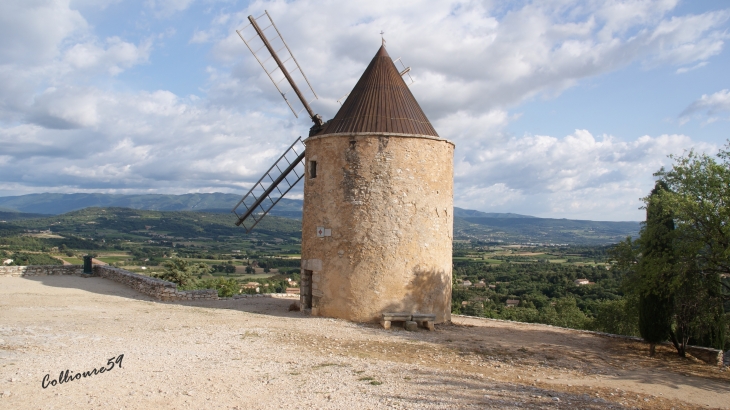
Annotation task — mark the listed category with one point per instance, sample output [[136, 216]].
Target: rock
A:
[[556, 398], [411, 325]]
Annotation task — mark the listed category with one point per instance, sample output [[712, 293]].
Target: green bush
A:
[[225, 287], [619, 317]]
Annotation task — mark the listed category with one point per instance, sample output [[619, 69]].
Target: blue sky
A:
[[558, 108]]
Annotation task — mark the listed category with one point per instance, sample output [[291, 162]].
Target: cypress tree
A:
[[655, 270], [655, 319]]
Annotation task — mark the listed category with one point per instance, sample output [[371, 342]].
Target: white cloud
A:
[[577, 176], [714, 106], [147, 138], [114, 58], [32, 31], [51, 54], [683, 70]]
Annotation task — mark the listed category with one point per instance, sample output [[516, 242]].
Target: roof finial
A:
[[381, 37]]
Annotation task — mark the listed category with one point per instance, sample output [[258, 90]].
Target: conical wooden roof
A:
[[380, 103]]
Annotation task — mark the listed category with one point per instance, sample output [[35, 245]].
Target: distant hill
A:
[[56, 204], [468, 224], [543, 230], [470, 213]]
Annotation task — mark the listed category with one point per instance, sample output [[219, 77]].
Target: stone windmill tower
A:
[[378, 201], [378, 205]]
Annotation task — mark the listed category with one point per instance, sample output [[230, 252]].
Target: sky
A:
[[558, 108]]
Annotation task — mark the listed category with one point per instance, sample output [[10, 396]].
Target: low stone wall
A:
[[41, 270], [266, 295], [707, 355], [157, 288]]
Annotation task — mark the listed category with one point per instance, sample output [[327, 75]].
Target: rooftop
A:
[[381, 102]]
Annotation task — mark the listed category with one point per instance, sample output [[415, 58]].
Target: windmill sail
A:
[[268, 191], [266, 50], [266, 44]]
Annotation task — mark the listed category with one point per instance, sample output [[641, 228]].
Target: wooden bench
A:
[[388, 318], [424, 319]]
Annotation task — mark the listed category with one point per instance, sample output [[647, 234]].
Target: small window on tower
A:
[[313, 169]]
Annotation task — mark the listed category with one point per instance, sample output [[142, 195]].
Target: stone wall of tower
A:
[[385, 206]]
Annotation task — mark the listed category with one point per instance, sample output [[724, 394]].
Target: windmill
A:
[[377, 219]]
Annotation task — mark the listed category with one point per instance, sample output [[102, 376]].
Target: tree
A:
[[699, 198], [683, 249], [618, 317], [656, 272], [655, 319], [181, 272], [664, 272]]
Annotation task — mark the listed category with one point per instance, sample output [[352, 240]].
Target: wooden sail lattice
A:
[[286, 172]]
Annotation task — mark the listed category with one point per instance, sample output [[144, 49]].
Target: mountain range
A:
[[468, 224]]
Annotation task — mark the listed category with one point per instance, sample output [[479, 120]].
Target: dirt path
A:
[[253, 353], [63, 261]]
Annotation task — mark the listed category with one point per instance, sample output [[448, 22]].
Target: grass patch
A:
[[366, 378], [376, 383]]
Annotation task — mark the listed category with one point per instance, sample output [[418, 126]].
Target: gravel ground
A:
[[254, 353]]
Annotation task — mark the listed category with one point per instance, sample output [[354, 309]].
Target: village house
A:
[[580, 282], [512, 302], [466, 283]]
